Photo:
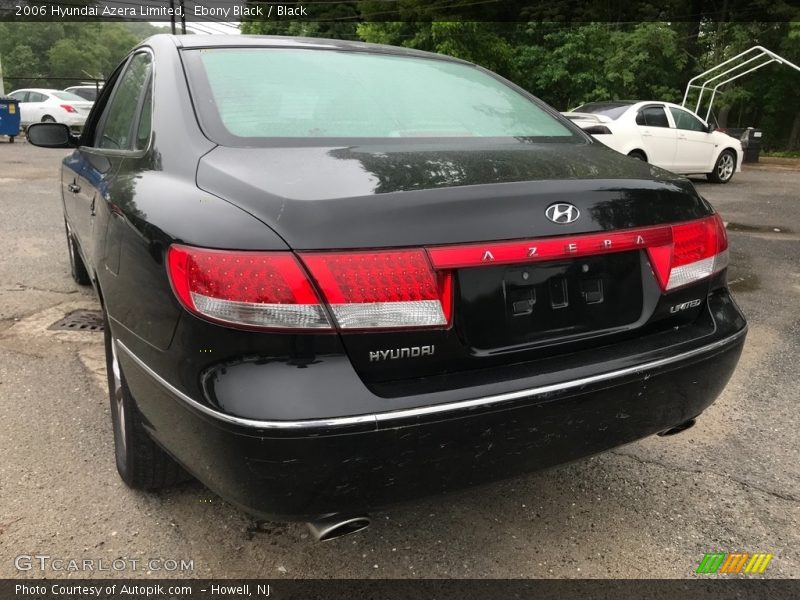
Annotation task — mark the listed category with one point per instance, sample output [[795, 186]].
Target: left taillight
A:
[[361, 290], [69, 108], [254, 289]]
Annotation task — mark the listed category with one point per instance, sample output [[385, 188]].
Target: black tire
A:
[[724, 168], [76, 266], [48, 119], [141, 463], [638, 155], [11, 139]]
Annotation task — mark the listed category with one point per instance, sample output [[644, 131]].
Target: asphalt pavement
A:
[[650, 509]]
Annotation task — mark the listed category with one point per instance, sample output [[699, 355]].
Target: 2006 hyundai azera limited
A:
[[338, 275]]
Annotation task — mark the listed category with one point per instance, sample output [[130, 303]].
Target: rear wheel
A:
[[638, 155], [76, 266], [724, 167], [48, 119], [11, 139], [141, 463]]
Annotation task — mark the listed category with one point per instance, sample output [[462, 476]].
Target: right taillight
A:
[[698, 250]]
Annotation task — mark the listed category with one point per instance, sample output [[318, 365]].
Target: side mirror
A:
[[711, 128], [51, 135]]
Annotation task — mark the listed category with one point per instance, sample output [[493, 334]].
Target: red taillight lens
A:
[[698, 250], [260, 289], [69, 108], [381, 289]]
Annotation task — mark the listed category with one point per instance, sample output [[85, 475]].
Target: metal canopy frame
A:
[[757, 52]]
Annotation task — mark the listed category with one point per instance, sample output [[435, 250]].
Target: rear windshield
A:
[[612, 110], [267, 93], [67, 96], [85, 93]]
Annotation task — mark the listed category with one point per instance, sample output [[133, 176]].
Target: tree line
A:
[[60, 54]]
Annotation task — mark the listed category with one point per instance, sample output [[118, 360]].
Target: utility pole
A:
[[183, 18], [2, 87], [172, 15]]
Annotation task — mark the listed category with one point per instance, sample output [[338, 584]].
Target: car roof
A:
[[40, 90], [664, 102], [275, 41], [612, 103], [636, 104]]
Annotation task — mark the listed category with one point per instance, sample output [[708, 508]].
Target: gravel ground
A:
[[650, 509]]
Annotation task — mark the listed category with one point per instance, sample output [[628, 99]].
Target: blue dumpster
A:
[[9, 117]]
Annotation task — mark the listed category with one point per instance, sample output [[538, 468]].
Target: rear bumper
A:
[[73, 120], [299, 470]]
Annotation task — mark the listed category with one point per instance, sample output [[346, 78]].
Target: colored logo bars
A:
[[734, 562]]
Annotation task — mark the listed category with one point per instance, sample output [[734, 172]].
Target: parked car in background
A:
[[37, 105], [663, 134], [87, 92], [360, 295]]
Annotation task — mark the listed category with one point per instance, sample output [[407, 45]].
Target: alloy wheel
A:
[[725, 167]]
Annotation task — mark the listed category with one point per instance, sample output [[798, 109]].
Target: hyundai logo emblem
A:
[[561, 212]]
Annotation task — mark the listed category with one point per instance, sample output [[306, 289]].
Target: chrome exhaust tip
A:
[[330, 527], [678, 428]]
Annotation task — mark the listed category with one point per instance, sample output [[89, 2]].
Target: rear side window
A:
[[116, 126], [69, 96], [683, 120], [85, 93], [300, 93], [652, 116], [145, 119]]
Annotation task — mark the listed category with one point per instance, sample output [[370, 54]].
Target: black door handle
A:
[[74, 188], [91, 210]]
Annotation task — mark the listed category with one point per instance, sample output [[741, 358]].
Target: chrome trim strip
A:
[[434, 409]]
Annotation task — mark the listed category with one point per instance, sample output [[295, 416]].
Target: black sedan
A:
[[338, 275]]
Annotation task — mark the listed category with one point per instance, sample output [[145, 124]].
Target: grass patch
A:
[[783, 153]]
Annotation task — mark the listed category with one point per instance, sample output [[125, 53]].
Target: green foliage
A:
[[783, 153], [37, 54], [562, 64]]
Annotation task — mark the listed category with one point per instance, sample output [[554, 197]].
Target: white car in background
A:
[[37, 105], [663, 134]]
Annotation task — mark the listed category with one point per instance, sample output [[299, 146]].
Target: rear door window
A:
[[684, 120], [652, 116], [116, 131]]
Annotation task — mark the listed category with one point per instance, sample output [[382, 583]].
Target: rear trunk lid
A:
[[83, 107], [431, 195]]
